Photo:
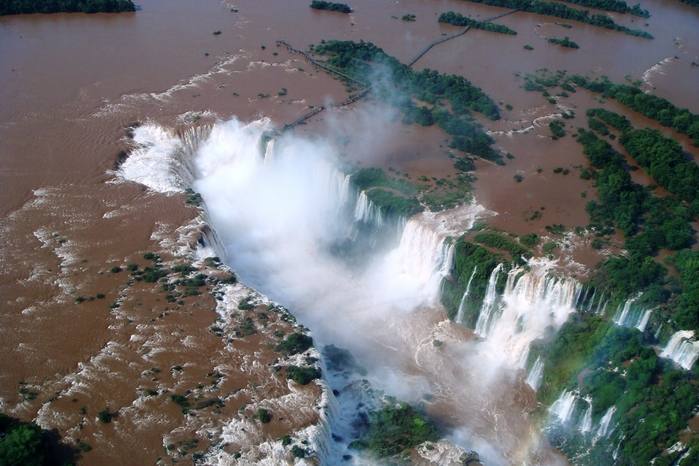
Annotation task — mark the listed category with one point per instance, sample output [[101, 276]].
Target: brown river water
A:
[[72, 84]]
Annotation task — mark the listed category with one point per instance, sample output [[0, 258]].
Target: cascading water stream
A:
[[532, 302], [365, 211], [605, 422], [629, 317], [644, 320], [460, 313], [536, 374], [563, 407], [682, 348], [484, 317], [591, 302], [599, 309], [586, 423]]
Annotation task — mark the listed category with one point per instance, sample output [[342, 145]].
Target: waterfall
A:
[[447, 259], [421, 260], [523, 358], [482, 325], [682, 348], [592, 300], [615, 454], [620, 319], [269, 152], [586, 423], [460, 314], [603, 430], [599, 305], [562, 408], [342, 182], [628, 317], [536, 374], [532, 302], [582, 299], [366, 211], [160, 159], [644, 320], [657, 332]]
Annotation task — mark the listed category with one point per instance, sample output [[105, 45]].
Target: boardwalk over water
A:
[[368, 88]]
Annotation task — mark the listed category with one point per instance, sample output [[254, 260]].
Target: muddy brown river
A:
[[71, 86]]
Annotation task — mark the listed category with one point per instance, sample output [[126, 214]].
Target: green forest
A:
[[18, 7]]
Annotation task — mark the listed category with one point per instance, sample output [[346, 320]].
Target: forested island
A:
[[330, 6], [19, 7], [565, 42], [559, 10], [457, 19]]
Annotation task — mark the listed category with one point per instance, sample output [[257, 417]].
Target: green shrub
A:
[[105, 416], [395, 429], [264, 416], [531, 240], [298, 452], [302, 375]]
